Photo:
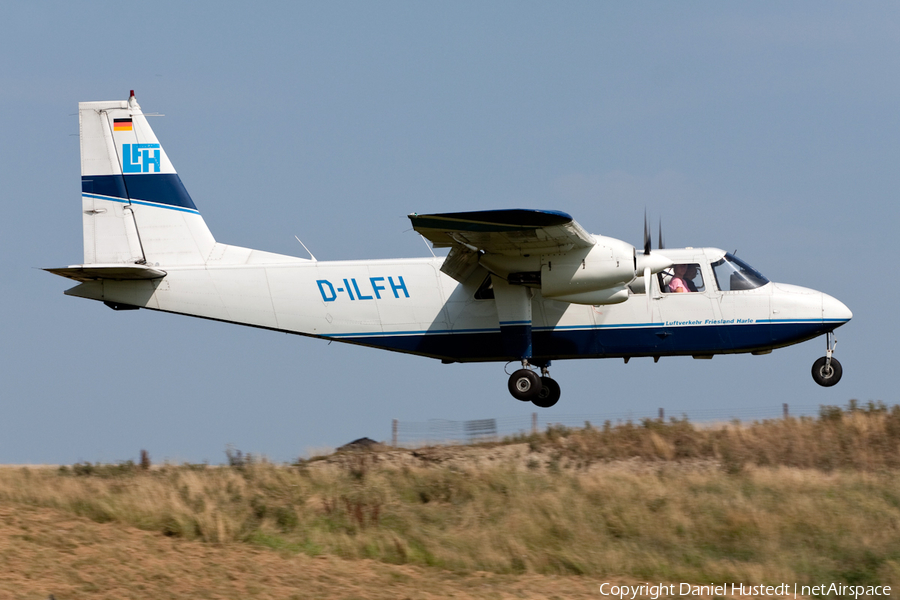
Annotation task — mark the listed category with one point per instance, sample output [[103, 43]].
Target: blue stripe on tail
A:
[[159, 188]]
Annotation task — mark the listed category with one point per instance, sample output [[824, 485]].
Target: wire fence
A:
[[441, 431]]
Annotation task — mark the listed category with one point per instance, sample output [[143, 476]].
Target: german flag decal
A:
[[122, 124]]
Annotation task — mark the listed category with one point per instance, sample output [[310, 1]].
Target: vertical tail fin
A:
[[135, 207]]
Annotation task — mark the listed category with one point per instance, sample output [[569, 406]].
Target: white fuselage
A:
[[409, 305]]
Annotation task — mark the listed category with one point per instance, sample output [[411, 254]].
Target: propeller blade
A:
[[655, 262], [647, 292], [647, 240], [662, 244]]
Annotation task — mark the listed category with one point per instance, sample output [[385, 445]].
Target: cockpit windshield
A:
[[733, 274]]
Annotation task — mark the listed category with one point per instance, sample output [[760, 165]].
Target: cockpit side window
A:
[[732, 274], [681, 278]]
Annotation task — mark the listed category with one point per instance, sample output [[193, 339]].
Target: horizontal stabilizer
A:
[[113, 271]]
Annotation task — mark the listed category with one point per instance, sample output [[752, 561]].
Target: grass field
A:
[[797, 500]]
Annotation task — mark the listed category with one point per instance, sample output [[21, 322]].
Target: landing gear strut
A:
[[827, 370], [527, 386]]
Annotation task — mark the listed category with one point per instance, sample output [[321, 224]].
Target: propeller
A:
[[649, 263], [647, 287], [647, 241]]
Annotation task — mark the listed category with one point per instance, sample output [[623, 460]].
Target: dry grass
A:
[[45, 551], [805, 500], [861, 438]]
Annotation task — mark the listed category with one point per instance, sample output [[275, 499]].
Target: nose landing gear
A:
[[525, 385], [827, 371]]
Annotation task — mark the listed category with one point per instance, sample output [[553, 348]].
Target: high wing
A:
[[514, 232]]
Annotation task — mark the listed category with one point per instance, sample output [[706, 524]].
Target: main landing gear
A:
[[827, 370], [527, 386]]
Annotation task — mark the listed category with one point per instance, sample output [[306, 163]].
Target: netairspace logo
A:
[[784, 590]]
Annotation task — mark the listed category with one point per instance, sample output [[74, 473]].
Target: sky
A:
[[768, 128]]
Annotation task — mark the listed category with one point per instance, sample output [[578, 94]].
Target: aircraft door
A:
[[688, 309], [635, 328]]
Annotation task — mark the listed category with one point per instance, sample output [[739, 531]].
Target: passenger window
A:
[[683, 277]]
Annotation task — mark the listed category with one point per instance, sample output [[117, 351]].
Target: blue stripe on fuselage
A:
[[158, 188], [599, 342]]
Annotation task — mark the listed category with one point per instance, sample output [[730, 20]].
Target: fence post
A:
[[662, 414], [784, 409], [394, 433], [534, 423]]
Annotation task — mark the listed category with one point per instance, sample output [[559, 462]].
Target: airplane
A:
[[520, 286]]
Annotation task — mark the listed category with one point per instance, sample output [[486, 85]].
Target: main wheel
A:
[[524, 385], [826, 376], [549, 394]]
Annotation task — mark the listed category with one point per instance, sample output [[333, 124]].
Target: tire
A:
[[524, 385], [823, 378], [549, 394]]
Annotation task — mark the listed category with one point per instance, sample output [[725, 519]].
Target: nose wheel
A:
[[827, 371], [527, 386]]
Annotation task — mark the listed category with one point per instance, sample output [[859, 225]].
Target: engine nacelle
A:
[[596, 275], [615, 295]]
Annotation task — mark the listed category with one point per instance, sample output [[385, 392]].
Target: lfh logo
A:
[[138, 158]]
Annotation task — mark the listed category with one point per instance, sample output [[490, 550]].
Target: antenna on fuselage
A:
[[307, 249]]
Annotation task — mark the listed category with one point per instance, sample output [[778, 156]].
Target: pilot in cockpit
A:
[[678, 284], [690, 275], [683, 281]]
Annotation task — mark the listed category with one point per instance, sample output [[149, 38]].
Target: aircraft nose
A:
[[834, 310]]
